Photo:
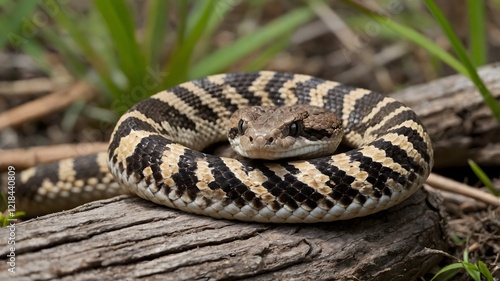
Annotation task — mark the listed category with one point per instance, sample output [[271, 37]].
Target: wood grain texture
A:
[[130, 238]]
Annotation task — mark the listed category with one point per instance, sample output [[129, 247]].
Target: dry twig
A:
[[45, 105], [25, 158], [27, 87], [442, 183]]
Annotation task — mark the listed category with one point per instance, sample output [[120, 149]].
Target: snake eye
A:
[[242, 126], [295, 129]]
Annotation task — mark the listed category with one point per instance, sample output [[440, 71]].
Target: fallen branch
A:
[[27, 87], [45, 105], [442, 183], [25, 158]]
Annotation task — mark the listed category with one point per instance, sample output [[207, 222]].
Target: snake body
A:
[[154, 152]]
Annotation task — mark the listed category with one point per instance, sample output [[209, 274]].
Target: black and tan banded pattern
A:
[[155, 153], [65, 184]]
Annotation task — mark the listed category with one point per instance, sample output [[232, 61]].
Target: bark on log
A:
[[130, 238], [459, 122]]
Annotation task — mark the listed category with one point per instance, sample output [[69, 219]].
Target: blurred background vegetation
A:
[[128, 50]]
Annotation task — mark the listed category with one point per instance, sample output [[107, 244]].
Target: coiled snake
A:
[[154, 152]]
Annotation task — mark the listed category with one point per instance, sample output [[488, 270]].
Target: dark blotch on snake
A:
[[275, 84], [215, 91], [128, 125], [417, 141], [28, 189], [194, 101], [186, 178], [85, 167], [148, 153], [243, 84], [363, 107]]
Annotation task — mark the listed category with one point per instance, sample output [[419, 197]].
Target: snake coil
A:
[[155, 152]]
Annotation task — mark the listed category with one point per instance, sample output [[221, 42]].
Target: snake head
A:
[[298, 131]]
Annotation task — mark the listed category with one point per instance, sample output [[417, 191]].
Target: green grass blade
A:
[[263, 57], [462, 55], [481, 175], [477, 31], [448, 268], [472, 270], [221, 8], [120, 24], [465, 254], [37, 52], [155, 30], [72, 61], [64, 19], [178, 66], [12, 20], [427, 44], [484, 270], [224, 57], [181, 29], [414, 36]]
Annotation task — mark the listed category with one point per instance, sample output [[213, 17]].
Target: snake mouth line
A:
[[304, 152]]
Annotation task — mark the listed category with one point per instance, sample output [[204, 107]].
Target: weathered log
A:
[[130, 238], [459, 122]]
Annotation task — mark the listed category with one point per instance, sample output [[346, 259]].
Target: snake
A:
[[157, 151]]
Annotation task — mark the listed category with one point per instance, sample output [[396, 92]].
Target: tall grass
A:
[[476, 272], [461, 52], [477, 32], [13, 16], [17, 30], [128, 61], [462, 63], [103, 45]]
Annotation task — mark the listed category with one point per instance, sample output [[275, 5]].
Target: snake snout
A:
[[260, 141]]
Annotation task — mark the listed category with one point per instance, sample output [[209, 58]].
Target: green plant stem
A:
[[462, 55], [181, 30], [12, 21], [477, 31], [155, 30], [483, 177], [180, 60], [64, 20], [412, 35], [224, 57], [121, 26]]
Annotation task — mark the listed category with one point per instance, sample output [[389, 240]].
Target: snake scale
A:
[[155, 153]]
